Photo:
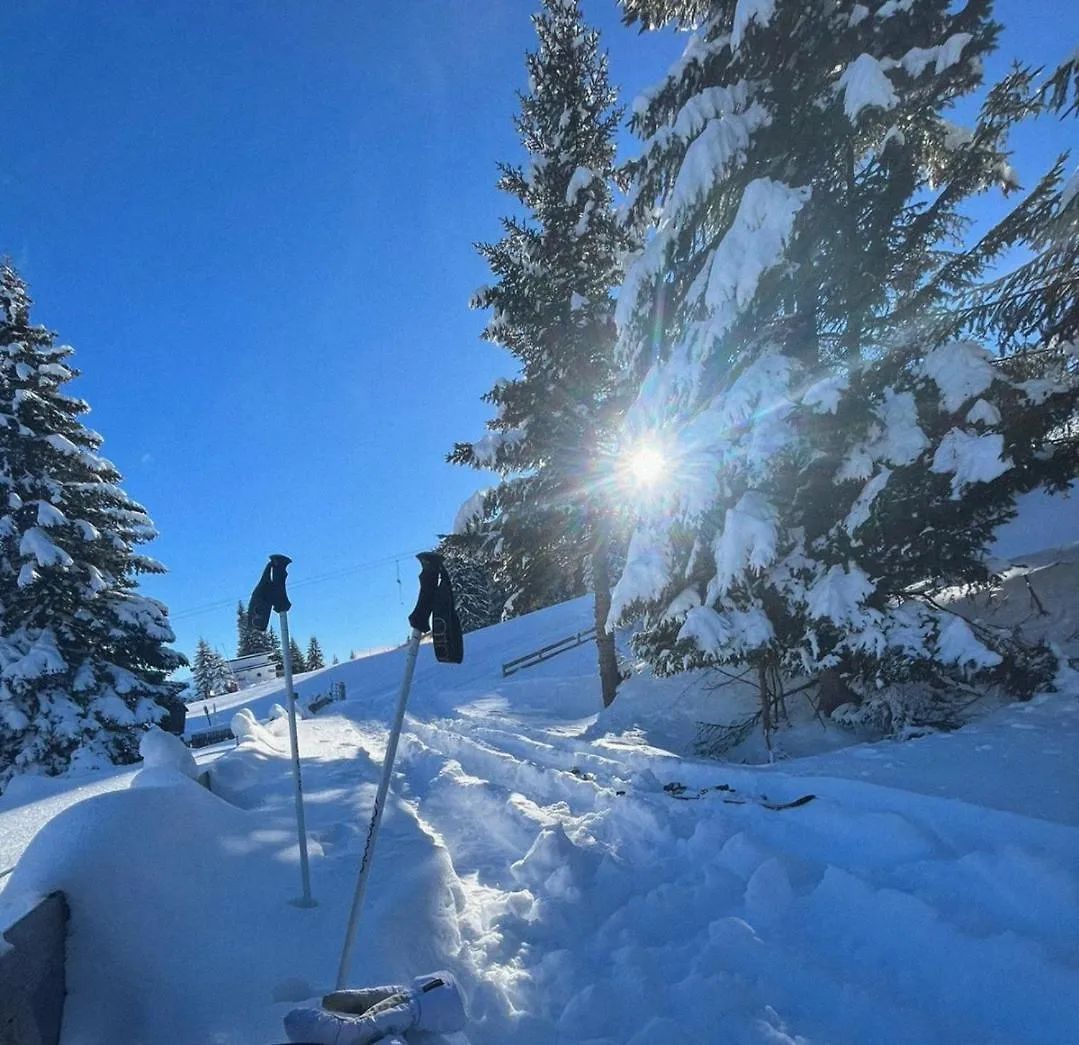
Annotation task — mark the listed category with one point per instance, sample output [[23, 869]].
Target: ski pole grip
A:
[[269, 593], [420, 617]]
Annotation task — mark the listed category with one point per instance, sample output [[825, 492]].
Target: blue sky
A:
[[254, 222]]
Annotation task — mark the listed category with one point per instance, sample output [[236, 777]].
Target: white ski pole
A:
[[270, 594], [297, 780], [420, 621]]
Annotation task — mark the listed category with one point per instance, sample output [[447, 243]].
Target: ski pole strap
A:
[[269, 593], [430, 567]]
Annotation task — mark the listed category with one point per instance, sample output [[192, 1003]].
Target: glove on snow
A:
[[380, 1014]]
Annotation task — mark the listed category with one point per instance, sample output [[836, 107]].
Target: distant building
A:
[[252, 669]]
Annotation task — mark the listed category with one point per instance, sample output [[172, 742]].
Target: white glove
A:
[[380, 1014]]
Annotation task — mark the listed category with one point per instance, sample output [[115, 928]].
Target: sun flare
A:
[[646, 465]]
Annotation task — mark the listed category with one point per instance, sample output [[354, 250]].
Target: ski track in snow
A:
[[806, 914]]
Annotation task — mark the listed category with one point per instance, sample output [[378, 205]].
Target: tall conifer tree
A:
[[84, 658], [839, 453], [552, 438]]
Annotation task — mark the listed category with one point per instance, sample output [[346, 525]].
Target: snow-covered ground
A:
[[586, 879]]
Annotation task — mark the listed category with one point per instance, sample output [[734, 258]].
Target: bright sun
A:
[[646, 465]]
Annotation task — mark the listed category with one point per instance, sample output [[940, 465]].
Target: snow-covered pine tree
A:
[[299, 661], [314, 657], [838, 456], [554, 432], [210, 671], [245, 634], [84, 658]]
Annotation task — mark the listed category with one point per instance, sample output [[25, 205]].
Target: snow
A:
[[584, 875], [755, 243], [746, 11], [469, 512], [161, 750], [859, 13], [36, 542], [838, 595], [970, 457], [582, 177], [958, 645], [721, 143], [918, 59], [865, 84], [749, 535], [961, 370], [893, 7]]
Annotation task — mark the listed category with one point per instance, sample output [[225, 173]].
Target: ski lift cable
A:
[[196, 611]]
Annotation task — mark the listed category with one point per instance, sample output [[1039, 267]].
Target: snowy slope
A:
[[928, 893]]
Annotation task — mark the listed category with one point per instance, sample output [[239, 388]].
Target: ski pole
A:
[[420, 620], [270, 594]]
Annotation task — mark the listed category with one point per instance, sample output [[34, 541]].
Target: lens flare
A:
[[646, 465]]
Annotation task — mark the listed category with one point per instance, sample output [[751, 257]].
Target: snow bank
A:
[[161, 750]]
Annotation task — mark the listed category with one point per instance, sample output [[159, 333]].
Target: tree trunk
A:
[[605, 651]]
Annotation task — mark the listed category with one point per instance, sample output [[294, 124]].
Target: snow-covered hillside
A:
[[584, 881]]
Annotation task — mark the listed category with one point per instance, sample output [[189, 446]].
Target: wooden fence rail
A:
[[537, 656]]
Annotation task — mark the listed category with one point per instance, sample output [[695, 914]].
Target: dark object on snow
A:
[[435, 611], [733, 798], [269, 593], [32, 983], [833, 692]]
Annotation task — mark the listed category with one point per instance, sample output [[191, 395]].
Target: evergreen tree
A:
[[84, 657], [314, 657], [210, 671], [553, 436], [838, 455], [336, 660], [299, 662], [246, 636]]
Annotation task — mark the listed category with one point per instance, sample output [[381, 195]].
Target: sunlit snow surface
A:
[[928, 894]]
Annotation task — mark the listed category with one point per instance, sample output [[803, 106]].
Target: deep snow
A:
[[586, 880]]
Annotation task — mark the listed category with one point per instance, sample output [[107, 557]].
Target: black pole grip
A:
[[430, 566], [269, 593]]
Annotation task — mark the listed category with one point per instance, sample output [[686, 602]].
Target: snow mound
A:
[[161, 750]]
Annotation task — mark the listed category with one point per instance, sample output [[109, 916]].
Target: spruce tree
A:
[[84, 658], [245, 634], [554, 433], [209, 671], [314, 658], [299, 662], [840, 450]]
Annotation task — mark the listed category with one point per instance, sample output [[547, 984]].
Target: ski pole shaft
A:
[[376, 813], [301, 825]]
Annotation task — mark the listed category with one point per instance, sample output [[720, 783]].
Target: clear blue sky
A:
[[254, 222]]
